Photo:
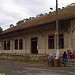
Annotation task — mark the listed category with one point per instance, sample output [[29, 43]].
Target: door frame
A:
[[34, 44]]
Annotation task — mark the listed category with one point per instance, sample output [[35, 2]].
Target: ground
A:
[[22, 68]]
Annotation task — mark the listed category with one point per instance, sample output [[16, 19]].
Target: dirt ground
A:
[[20, 68]]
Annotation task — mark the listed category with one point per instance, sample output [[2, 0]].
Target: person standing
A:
[[70, 55], [64, 58]]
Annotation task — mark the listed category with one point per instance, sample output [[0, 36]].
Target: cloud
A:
[[11, 11]]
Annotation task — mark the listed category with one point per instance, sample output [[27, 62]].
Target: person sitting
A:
[[51, 56]]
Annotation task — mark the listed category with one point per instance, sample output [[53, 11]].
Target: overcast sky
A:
[[11, 11]]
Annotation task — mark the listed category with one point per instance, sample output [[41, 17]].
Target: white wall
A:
[[43, 40]]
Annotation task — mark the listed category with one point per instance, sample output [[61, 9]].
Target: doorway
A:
[[34, 45]]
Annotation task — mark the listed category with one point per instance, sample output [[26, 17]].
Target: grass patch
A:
[[24, 61]]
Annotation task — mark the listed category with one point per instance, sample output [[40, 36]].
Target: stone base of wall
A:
[[29, 57], [26, 57]]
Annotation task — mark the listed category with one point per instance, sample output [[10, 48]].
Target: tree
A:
[[72, 4], [39, 15], [1, 29], [11, 25], [20, 22]]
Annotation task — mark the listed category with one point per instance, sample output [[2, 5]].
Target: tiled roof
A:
[[64, 13]]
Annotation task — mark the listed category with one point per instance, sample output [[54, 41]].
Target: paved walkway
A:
[[19, 68]]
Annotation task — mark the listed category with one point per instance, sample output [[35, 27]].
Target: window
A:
[[20, 43], [51, 42], [6, 45], [16, 44], [61, 41]]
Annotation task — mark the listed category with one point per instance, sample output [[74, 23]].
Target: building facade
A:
[[38, 36]]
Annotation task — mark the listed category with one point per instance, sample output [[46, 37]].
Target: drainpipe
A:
[[70, 37], [12, 45]]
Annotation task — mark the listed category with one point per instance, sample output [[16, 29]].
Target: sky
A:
[[12, 11]]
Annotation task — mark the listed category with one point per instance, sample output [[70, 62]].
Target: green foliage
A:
[[72, 4], [1, 29]]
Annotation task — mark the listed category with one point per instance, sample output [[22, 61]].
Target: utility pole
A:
[[57, 31]]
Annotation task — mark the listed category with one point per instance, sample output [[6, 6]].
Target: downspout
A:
[[70, 36], [2, 45], [12, 45]]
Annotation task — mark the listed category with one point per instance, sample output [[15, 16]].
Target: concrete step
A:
[[70, 63]]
